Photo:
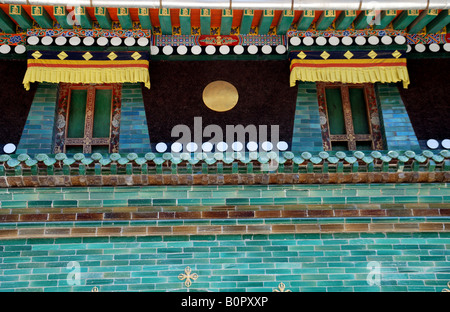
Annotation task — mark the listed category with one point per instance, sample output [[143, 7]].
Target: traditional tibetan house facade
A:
[[237, 146]]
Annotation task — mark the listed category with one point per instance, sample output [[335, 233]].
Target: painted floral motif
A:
[[410, 38]]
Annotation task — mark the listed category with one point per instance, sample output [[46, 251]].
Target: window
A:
[[88, 118], [349, 117]]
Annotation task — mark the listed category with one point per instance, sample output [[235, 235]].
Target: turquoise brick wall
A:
[[307, 135], [303, 262], [134, 135], [399, 133], [37, 134]]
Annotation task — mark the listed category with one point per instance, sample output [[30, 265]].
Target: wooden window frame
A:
[[62, 118], [373, 117]]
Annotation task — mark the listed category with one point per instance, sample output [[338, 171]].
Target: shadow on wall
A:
[[15, 101], [427, 98]]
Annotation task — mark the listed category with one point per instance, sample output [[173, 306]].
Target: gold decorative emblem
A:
[[62, 55], [143, 11], [372, 54], [136, 56], [87, 141], [122, 11], [325, 55], [36, 54], [281, 288], [112, 56], [396, 54], [187, 276], [94, 289], [15, 9], [59, 10], [348, 55], [301, 55], [37, 10], [447, 289], [87, 56], [220, 96]]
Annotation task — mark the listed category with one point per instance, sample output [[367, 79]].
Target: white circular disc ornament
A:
[[9, 148], [191, 147], [60, 40], [446, 143], [308, 41], [182, 49], [295, 41], [420, 47], [373, 40], [408, 48], [347, 40], [4, 49], [252, 49], [207, 147], [224, 49], [116, 41], [360, 40], [282, 146], [176, 147], [222, 146], [400, 39], [154, 50], [210, 49], [334, 41], [161, 147], [434, 47], [252, 146], [447, 47], [237, 146], [130, 41], [33, 40], [167, 50], [386, 40], [74, 41], [432, 143], [102, 41], [281, 49], [267, 146], [143, 41], [196, 50], [238, 49], [88, 41], [321, 41], [266, 49], [20, 49]]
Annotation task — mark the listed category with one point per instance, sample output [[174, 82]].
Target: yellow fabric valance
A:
[[87, 70], [350, 74], [356, 67]]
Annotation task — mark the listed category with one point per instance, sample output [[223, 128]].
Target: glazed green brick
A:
[[140, 202], [189, 201], [114, 202], [65, 203], [14, 204], [296, 259], [164, 202], [263, 201], [309, 200], [285, 201], [382, 200], [237, 201]]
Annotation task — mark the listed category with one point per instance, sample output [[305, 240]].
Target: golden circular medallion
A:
[[220, 96]]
